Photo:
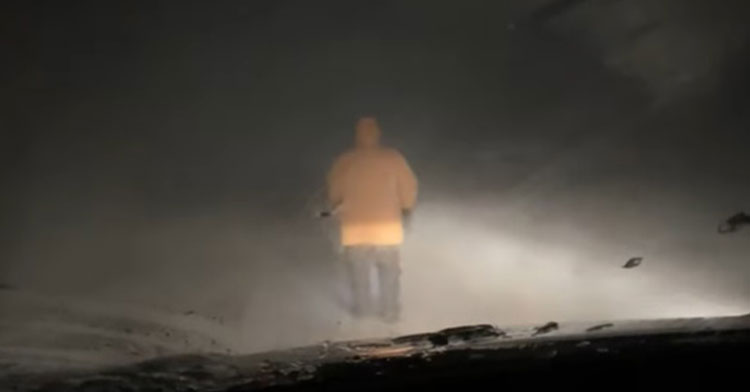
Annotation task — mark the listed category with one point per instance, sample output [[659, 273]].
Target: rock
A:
[[633, 262], [546, 328], [599, 327]]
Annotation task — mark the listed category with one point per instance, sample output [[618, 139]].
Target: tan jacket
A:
[[369, 186]]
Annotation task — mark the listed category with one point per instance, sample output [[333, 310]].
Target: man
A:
[[371, 188]]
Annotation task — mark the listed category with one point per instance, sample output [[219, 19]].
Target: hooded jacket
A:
[[369, 187]]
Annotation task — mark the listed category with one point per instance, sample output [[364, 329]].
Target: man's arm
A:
[[407, 184], [335, 181]]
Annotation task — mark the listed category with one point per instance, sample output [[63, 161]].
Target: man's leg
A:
[[358, 265], [389, 276]]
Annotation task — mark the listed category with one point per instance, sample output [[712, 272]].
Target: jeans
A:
[[360, 262]]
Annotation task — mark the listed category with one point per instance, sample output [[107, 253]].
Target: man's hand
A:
[[334, 210]]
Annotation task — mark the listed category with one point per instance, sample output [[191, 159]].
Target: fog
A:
[[174, 158]]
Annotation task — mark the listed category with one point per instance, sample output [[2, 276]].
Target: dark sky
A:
[[123, 118], [201, 101]]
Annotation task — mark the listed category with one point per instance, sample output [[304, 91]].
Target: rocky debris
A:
[[473, 332], [546, 328], [633, 262], [600, 327], [424, 343], [455, 335], [734, 223], [413, 339]]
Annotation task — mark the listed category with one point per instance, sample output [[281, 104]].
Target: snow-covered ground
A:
[[462, 265], [42, 333]]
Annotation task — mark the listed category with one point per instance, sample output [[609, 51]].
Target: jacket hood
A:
[[368, 133]]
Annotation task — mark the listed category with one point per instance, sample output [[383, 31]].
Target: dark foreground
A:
[[670, 353]]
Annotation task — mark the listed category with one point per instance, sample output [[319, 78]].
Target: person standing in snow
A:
[[371, 189]]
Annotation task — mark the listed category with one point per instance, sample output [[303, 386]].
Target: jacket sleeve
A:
[[406, 182], [335, 180]]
